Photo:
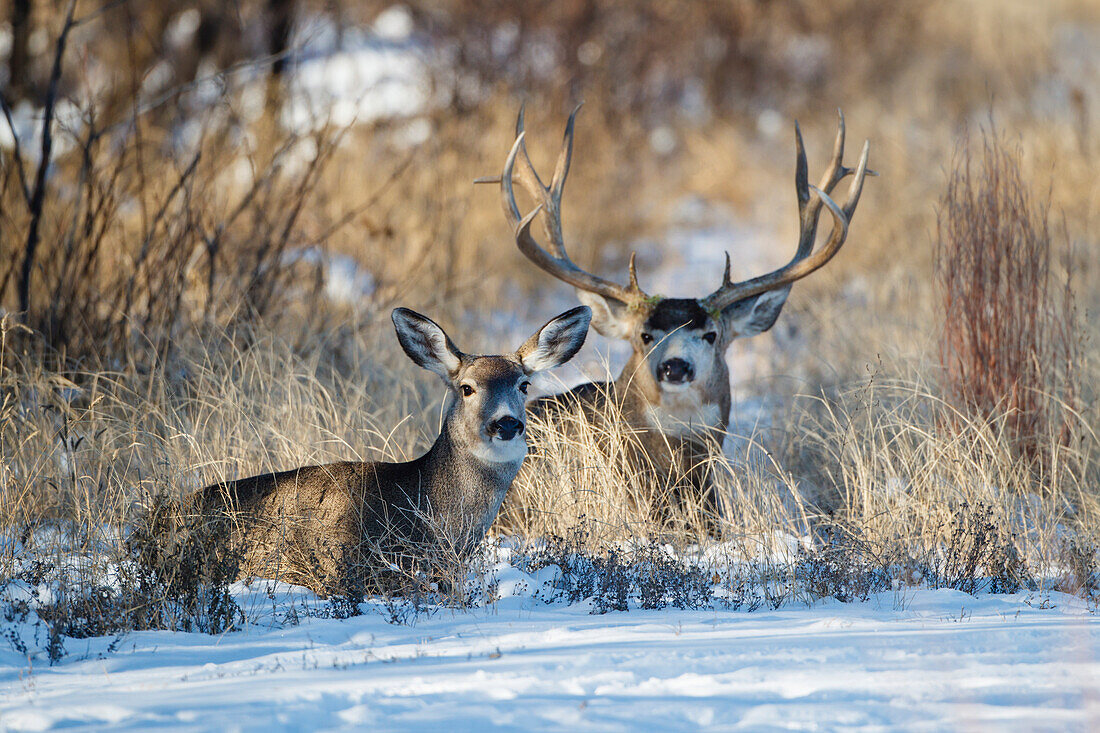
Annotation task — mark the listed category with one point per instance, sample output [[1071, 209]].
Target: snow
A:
[[921, 660], [345, 279], [346, 76]]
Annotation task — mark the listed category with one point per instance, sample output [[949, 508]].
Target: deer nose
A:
[[505, 428], [675, 371]]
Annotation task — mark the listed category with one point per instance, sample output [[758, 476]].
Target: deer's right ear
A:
[[426, 343], [612, 318], [557, 342]]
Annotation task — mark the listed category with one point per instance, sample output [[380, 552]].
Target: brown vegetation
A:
[[174, 330], [1010, 344]]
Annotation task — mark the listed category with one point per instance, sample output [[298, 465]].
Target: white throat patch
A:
[[496, 450], [683, 413]]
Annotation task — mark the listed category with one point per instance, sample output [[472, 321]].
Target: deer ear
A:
[[426, 343], [610, 317], [755, 314], [557, 342]]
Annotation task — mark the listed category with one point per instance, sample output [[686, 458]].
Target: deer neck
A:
[[464, 491], [687, 414]]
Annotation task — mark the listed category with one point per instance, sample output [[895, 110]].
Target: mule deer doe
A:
[[324, 526], [674, 392]]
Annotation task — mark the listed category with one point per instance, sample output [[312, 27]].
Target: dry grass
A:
[[902, 476], [80, 448], [590, 472], [241, 365]]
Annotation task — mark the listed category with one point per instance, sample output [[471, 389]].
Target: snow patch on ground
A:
[[921, 660]]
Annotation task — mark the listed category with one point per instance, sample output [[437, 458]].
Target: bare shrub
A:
[[1009, 347], [646, 574], [979, 554], [118, 233]]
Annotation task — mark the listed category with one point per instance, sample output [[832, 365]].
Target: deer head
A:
[[486, 415], [679, 343]]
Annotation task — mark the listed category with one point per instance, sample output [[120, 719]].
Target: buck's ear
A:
[[557, 342], [426, 343], [754, 314], [610, 317]]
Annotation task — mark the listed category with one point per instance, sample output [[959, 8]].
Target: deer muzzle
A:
[[675, 371], [505, 428]]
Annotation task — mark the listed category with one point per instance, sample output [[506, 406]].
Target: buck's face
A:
[[486, 415], [679, 344]]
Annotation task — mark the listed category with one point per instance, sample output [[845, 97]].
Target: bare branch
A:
[[38, 196]]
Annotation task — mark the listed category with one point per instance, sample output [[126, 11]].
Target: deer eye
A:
[[710, 336], [467, 390], [647, 338], [523, 387]]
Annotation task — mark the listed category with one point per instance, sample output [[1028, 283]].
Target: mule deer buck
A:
[[674, 392], [326, 526]]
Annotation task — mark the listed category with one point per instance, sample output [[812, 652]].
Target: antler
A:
[[809, 210], [556, 261]]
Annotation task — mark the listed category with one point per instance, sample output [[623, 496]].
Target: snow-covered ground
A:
[[918, 660]]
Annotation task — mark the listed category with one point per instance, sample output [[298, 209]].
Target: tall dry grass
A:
[[256, 369], [81, 450], [589, 470]]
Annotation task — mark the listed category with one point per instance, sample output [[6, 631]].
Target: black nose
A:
[[675, 371], [505, 428]]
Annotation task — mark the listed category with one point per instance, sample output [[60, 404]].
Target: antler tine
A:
[[836, 169], [801, 171], [810, 200], [557, 262], [565, 157], [634, 276], [507, 192], [856, 189]]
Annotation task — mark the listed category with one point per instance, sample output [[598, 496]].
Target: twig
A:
[[38, 196], [16, 151]]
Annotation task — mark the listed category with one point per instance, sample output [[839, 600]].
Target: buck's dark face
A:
[[681, 343]]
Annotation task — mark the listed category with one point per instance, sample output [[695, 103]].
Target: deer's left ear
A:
[[557, 342], [755, 314]]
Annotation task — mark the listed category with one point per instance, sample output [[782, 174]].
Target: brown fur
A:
[[343, 526], [328, 526]]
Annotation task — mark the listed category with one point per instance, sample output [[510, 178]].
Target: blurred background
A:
[[234, 159], [175, 176]]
